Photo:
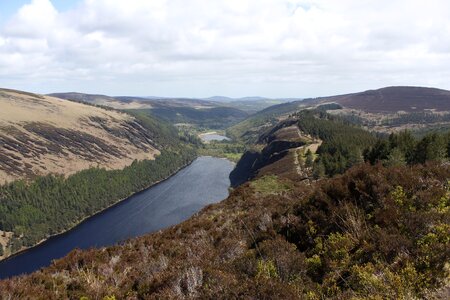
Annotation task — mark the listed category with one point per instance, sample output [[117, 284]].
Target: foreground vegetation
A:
[[373, 233]]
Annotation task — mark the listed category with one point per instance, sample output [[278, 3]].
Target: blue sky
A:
[[200, 48], [9, 7]]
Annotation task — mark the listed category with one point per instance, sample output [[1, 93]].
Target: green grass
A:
[[269, 184], [224, 149]]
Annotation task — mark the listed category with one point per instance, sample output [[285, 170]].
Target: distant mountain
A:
[[251, 105], [171, 102], [91, 98], [387, 109], [198, 112], [229, 99], [219, 117], [126, 103], [219, 99], [384, 100], [394, 99]]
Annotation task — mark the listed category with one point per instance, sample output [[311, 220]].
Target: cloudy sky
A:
[[200, 48]]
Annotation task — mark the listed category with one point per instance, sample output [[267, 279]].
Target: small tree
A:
[[355, 157], [309, 159], [318, 170], [396, 158]]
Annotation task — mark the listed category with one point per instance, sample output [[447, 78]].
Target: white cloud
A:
[[33, 20], [236, 47]]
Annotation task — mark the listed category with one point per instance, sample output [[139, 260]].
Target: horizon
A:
[[239, 97], [276, 49]]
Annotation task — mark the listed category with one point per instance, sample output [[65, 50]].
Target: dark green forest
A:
[[52, 204], [403, 148], [343, 143]]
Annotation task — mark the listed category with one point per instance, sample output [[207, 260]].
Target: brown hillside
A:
[[103, 100], [393, 99], [41, 135]]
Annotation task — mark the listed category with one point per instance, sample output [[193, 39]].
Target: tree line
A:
[[342, 143], [51, 204], [402, 148], [345, 144]]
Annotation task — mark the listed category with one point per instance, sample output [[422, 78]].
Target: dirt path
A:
[[312, 147]]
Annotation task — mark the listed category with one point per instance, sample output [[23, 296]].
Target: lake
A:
[[208, 137], [170, 202]]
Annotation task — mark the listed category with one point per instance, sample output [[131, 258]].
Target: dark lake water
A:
[[203, 182]]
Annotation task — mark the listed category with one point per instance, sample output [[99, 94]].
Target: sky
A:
[[236, 48]]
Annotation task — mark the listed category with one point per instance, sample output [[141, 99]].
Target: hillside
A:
[[394, 99], [42, 135], [186, 111], [63, 161], [299, 148], [388, 109], [101, 100], [251, 105], [372, 233]]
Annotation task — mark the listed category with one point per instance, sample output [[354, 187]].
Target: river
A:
[[170, 202]]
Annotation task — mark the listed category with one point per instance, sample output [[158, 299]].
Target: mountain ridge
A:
[[393, 99]]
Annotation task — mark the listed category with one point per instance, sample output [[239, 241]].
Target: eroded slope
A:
[[41, 135]]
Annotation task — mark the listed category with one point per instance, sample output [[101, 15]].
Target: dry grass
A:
[[21, 111], [5, 237]]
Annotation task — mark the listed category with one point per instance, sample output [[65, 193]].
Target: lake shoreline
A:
[[204, 181], [21, 251], [216, 136]]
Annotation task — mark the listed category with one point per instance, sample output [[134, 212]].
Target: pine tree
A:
[[318, 170], [396, 158], [309, 159]]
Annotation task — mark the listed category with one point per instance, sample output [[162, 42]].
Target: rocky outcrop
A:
[[279, 141]]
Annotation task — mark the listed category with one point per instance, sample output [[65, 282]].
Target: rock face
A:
[[280, 141], [41, 135]]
